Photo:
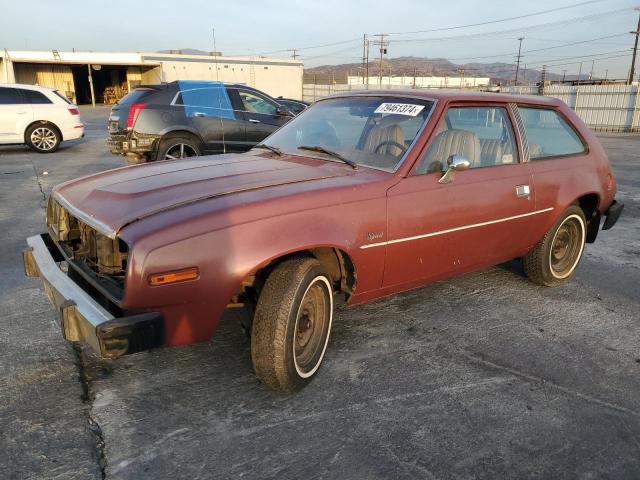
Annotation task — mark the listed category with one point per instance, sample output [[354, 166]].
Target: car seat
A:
[[447, 143], [381, 133]]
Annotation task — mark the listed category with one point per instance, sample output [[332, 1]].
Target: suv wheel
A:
[[43, 137], [292, 322], [173, 148], [554, 258]]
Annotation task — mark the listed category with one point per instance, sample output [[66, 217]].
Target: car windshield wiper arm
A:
[[275, 150], [318, 148]]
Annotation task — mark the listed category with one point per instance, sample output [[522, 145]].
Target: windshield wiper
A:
[[318, 148], [275, 150]]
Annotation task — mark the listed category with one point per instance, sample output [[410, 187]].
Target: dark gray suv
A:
[[191, 118]]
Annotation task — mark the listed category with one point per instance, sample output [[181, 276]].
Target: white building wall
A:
[[274, 76], [410, 81]]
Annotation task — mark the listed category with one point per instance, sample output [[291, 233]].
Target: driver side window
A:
[[483, 135]]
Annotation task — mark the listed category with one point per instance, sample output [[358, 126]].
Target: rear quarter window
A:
[[549, 134], [33, 97]]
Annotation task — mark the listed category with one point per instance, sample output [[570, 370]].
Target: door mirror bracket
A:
[[455, 163]]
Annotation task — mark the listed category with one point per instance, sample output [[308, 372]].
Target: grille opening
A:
[[104, 256]]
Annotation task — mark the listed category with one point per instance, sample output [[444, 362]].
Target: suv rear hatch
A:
[[120, 111]]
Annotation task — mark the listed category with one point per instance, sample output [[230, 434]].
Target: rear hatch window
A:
[[135, 96]]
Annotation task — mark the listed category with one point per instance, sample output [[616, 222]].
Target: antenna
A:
[[215, 52], [215, 56]]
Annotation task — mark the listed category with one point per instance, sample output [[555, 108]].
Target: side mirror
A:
[[455, 163], [284, 112]]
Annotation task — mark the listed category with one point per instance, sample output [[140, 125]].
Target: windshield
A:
[[372, 131]]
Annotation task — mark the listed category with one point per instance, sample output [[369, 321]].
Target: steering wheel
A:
[[393, 143]]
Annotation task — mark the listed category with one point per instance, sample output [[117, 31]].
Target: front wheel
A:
[[554, 258], [292, 322]]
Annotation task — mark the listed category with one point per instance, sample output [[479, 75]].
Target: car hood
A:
[[110, 200]]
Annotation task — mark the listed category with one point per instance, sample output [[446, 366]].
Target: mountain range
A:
[[423, 66]]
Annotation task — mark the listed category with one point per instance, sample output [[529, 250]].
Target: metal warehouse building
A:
[[104, 77]]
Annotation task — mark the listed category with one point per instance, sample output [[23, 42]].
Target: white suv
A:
[[37, 116]]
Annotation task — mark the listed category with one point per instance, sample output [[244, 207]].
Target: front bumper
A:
[[81, 318]]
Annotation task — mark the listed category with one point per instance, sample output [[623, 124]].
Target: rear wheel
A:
[[554, 258], [173, 148], [292, 322], [43, 137]]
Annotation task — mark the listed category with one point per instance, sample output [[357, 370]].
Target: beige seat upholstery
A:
[[491, 152], [535, 151], [380, 134], [447, 143]]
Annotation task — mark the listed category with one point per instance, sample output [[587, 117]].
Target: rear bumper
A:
[[73, 133], [81, 318], [124, 144], [612, 214]]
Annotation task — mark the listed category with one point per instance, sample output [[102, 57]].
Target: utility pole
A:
[[518, 58], [564, 74], [632, 72], [383, 50], [579, 74], [366, 65], [543, 79], [461, 73], [364, 56], [294, 55], [593, 64]]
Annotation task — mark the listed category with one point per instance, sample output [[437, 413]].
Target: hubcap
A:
[[180, 150], [312, 327], [43, 138], [566, 247]]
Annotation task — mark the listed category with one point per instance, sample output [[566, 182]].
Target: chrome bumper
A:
[[81, 318]]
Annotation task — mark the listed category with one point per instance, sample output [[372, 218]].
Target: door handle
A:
[[253, 120], [523, 191], [199, 114]]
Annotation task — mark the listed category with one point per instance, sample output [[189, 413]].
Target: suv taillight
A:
[[134, 111], [74, 111]]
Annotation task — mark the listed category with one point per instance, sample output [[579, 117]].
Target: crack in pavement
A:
[[35, 171], [88, 396], [534, 378], [84, 378]]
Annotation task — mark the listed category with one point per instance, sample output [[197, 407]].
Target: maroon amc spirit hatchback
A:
[[360, 196]]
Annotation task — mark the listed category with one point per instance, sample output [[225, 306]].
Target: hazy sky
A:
[[272, 26]]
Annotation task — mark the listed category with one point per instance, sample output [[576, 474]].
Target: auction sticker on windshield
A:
[[400, 109]]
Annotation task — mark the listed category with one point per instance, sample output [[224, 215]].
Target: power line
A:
[[507, 19], [516, 30], [313, 46], [547, 24], [526, 52]]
